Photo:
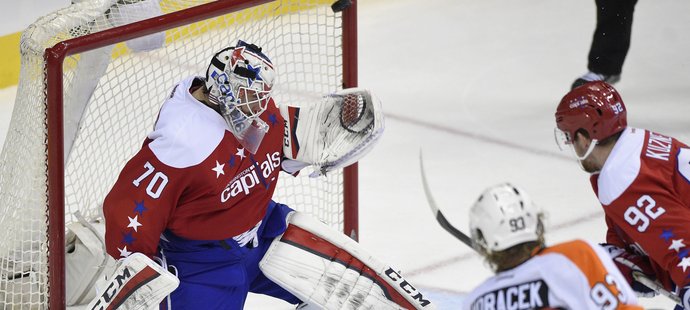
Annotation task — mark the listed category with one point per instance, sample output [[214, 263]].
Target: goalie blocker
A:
[[134, 282], [137, 283], [326, 269]]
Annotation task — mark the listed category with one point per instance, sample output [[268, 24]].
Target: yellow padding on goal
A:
[[275, 8], [9, 44], [9, 59]]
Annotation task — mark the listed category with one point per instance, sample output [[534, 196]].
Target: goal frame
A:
[[54, 58]]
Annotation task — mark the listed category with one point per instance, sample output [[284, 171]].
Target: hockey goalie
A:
[[197, 200]]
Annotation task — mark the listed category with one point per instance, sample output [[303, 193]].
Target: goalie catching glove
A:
[[326, 269], [333, 133]]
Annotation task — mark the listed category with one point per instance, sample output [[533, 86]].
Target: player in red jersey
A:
[[204, 178], [198, 197], [642, 180]]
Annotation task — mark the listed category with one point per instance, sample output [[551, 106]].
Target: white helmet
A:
[[239, 80], [504, 216]]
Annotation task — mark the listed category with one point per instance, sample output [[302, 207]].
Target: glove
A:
[[627, 263], [334, 131]]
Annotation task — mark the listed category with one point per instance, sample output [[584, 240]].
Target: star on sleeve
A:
[[219, 169], [133, 222], [240, 153], [139, 208], [676, 244], [124, 252], [128, 238], [684, 263]]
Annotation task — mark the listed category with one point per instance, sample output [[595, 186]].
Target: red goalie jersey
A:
[[193, 178], [644, 187]]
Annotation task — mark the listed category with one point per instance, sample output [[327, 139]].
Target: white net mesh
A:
[[111, 99]]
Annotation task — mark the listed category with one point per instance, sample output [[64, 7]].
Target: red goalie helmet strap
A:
[[595, 107]]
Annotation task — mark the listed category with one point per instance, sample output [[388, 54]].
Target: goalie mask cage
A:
[[86, 101]]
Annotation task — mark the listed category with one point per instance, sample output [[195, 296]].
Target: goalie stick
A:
[[441, 219]]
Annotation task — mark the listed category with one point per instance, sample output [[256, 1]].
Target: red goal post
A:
[[313, 48]]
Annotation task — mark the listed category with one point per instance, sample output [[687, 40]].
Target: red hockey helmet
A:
[[596, 107]]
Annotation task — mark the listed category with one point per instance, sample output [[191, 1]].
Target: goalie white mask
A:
[[504, 216], [239, 80]]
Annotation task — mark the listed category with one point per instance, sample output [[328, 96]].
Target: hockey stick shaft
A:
[[443, 221], [642, 278], [440, 218]]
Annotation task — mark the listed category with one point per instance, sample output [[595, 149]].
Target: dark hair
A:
[[513, 256]]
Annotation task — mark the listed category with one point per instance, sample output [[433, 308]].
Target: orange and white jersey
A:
[[571, 275]]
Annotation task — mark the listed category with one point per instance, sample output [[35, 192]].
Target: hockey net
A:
[[71, 132]]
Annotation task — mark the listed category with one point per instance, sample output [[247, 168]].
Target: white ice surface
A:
[[474, 84]]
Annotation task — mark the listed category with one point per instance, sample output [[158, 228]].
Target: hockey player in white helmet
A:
[[507, 229]]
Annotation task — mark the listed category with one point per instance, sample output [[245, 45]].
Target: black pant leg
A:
[[612, 36]]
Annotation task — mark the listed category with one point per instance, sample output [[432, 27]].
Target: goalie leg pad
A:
[[86, 260], [325, 268]]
